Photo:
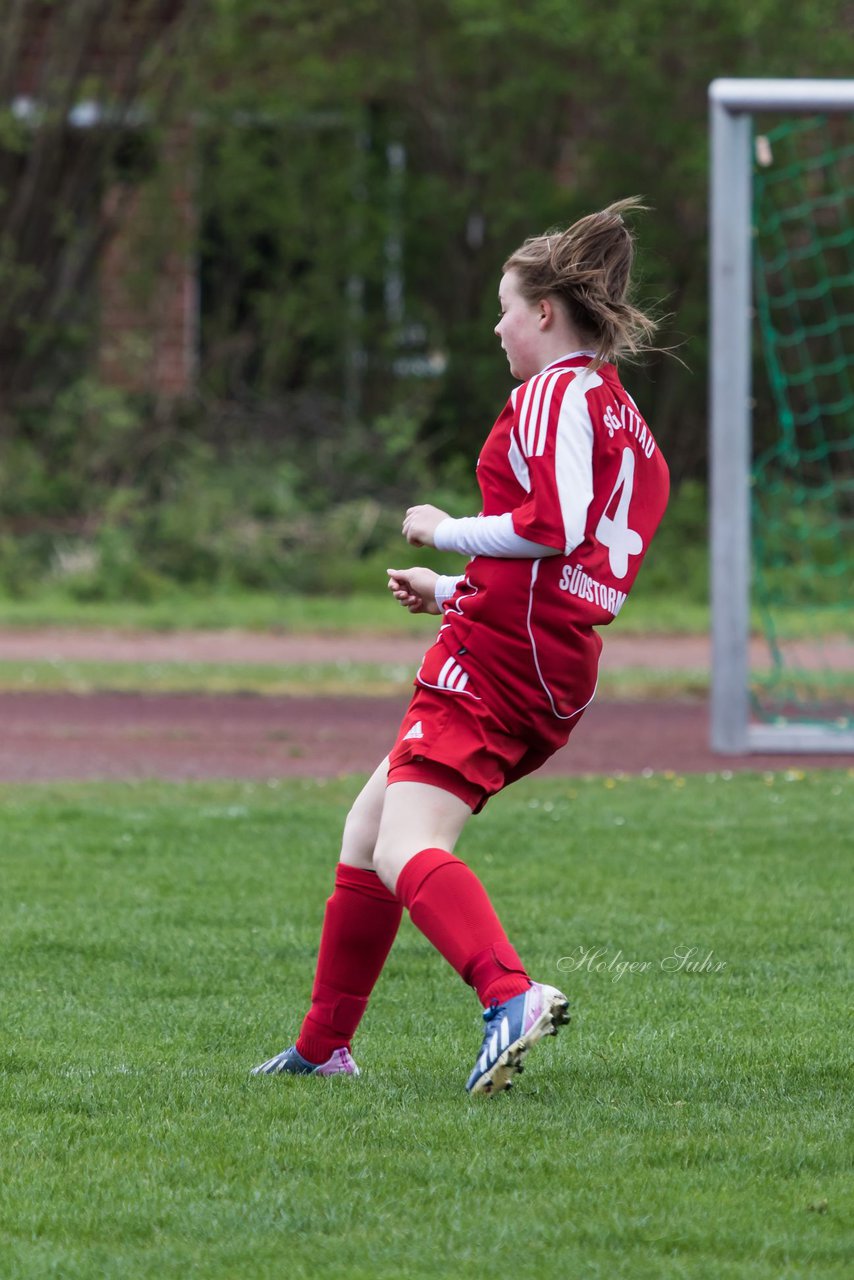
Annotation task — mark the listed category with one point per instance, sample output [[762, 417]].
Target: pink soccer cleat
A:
[[291, 1063]]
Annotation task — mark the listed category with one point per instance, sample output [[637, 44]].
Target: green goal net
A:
[[802, 481]]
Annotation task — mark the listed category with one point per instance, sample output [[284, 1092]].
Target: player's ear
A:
[[546, 310]]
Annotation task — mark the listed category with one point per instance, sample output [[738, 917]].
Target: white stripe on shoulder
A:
[[534, 412], [545, 413], [574, 457], [518, 465], [529, 391], [536, 407]]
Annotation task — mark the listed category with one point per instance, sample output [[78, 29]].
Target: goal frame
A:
[[732, 105]]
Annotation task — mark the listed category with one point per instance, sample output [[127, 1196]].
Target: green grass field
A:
[[158, 940], [362, 611], [327, 679]]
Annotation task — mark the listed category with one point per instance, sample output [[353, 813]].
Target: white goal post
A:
[[733, 104]]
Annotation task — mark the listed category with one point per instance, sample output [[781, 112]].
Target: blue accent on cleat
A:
[[511, 1029]]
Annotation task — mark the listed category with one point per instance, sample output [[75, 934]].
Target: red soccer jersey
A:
[[573, 460]]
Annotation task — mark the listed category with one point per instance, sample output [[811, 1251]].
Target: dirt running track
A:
[[130, 736], [133, 736]]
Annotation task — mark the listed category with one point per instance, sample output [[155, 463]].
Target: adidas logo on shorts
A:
[[416, 731]]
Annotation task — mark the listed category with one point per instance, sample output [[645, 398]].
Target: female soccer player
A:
[[573, 487]]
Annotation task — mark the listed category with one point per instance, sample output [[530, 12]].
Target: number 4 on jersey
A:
[[613, 531]]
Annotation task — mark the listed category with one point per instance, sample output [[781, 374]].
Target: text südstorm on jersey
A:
[[578, 583]]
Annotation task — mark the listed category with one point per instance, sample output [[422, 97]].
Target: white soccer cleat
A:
[[511, 1029]]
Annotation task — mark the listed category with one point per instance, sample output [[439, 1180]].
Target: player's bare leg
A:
[[362, 824], [415, 816]]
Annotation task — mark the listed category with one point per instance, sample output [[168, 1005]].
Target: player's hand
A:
[[420, 523], [414, 588]]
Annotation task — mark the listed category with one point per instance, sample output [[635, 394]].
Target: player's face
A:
[[519, 329]]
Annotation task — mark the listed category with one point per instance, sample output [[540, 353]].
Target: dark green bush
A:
[[110, 500]]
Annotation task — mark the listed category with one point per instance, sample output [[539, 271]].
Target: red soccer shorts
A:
[[450, 738]]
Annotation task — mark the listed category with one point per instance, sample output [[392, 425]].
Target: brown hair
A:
[[588, 268]]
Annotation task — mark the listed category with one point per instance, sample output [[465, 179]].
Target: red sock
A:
[[450, 906], [361, 922]]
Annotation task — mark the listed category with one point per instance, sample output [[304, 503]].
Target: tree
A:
[[85, 89], [512, 118]]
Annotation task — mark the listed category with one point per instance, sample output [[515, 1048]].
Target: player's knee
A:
[[360, 834], [394, 847], [387, 862]]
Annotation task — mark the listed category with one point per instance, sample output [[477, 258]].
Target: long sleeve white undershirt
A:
[[488, 536], [482, 536], [446, 585]]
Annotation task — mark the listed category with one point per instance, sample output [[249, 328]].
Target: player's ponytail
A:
[[588, 267]]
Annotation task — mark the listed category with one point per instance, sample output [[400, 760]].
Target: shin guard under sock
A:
[[360, 924], [450, 906]]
